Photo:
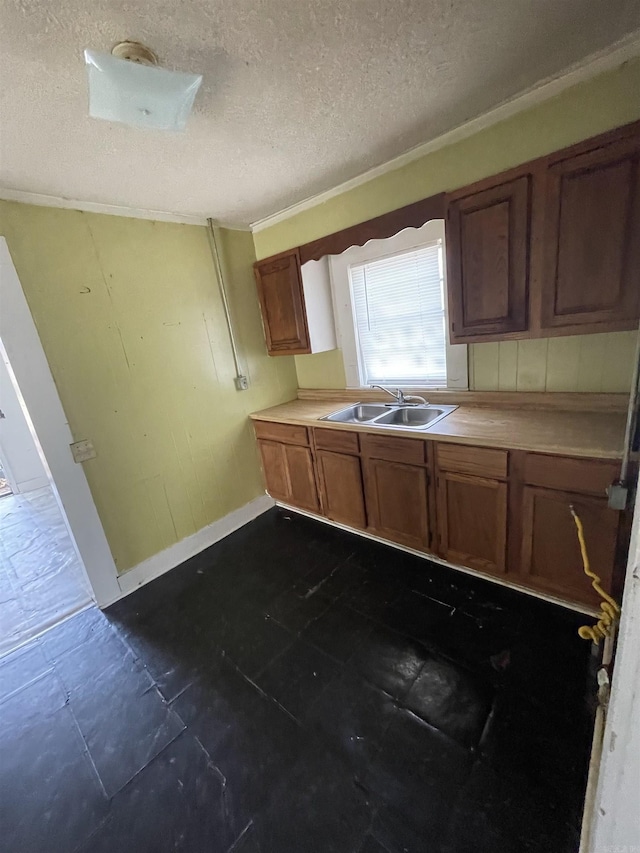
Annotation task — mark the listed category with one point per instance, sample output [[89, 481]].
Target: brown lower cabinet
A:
[[472, 521], [340, 478], [503, 513], [397, 499], [472, 506], [550, 558], [289, 474]]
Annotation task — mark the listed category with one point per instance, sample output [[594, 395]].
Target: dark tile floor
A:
[[296, 688]]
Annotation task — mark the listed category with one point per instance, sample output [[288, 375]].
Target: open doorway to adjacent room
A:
[[42, 578]]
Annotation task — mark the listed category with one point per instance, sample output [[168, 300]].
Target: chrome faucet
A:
[[401, 399]]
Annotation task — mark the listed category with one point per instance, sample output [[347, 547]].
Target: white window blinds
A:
[[399, 318]]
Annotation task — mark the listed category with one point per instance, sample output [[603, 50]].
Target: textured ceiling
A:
[[298, 95]]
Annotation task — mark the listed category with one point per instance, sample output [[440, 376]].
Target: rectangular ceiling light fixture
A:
[[139, 93]]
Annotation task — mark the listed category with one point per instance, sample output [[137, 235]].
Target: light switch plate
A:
[[82, 451]]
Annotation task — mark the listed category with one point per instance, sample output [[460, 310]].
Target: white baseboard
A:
[[33, 484], [176, 554]]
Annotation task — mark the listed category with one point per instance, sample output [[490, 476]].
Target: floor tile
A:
[[252, 640], [339, 631], [395, 834], [248, 842], [255, 754], [521, 733], [389, 660], [536, 669], [82, 668], [215, 704], [352, 716], [124, 720], [472, 642], [417, 774], [50, 795], [343, 578], [176, 803], [21, 667], [74, 632], [297, 607], [297, 677], [319, 809], [47, 578], [419, 617], [374, 597], [36, 702], [175, 644], [451, 699], [372, 846], [497, 812]]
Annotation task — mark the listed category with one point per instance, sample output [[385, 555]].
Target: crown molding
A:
[[597, 63], [41, 200]]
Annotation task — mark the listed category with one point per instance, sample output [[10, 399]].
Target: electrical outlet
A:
[[617, 494], [82, 451], [242, 383]]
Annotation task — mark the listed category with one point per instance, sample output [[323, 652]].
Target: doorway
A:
[[50, 487], [42, 578]]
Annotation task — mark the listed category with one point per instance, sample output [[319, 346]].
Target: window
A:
[[398, 310], [390, 301]]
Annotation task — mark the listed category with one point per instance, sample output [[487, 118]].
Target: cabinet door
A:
[[472, 521], [550, 551], [301, 477], [274, 466], [397, 502], [342, 490], [281, 297], [592, 240], [488, 260]]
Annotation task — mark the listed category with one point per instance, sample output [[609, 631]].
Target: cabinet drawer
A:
[[286, 433], [586, 476], [412, 451], [479, 461], [340, 441]]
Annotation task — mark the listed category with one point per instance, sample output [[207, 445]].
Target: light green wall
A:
[[130, 319], [601, 362], [605, 102]]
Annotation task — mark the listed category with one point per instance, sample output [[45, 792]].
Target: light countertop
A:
[[590, 434]]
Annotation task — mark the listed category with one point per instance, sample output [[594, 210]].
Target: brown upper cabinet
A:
[[488, 259], [281, 297], [550, 248], [297, 312], [591, 265]]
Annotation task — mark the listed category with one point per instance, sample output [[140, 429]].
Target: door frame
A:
[[49, 426], [611, 821]]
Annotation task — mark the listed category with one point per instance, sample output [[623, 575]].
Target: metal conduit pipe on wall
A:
[[241, 381]]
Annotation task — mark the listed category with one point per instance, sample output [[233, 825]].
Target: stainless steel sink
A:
[[389, 416], [359, 414], [411, 417]]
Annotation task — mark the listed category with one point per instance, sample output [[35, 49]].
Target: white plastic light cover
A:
[[139, 95]]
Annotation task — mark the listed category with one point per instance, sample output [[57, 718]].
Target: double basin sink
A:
[[390, 416]]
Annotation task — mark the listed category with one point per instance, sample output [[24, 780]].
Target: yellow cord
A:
[[609, 607]]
